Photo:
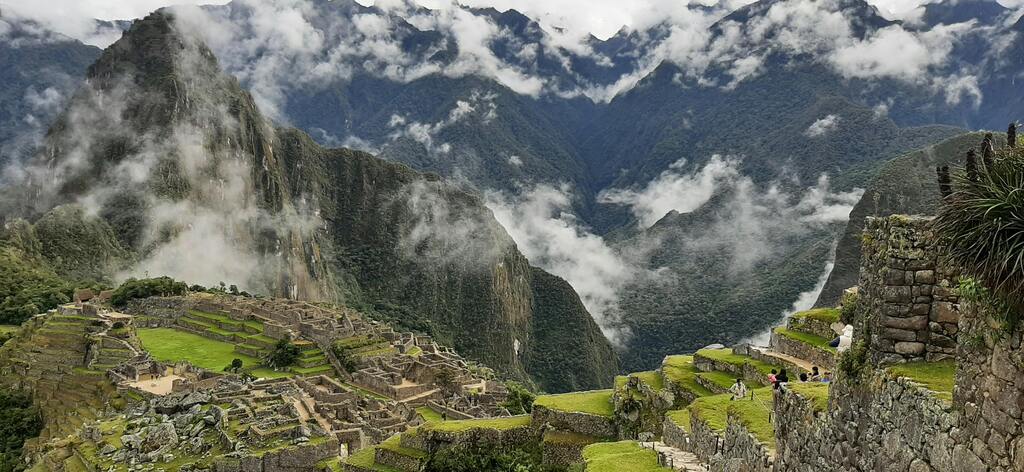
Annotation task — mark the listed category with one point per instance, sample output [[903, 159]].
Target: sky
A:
[[599, 17]]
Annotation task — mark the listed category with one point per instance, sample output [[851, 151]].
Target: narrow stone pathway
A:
[[803, 364], [675, 458]]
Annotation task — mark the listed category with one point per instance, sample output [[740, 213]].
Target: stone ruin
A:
[[908, 291]]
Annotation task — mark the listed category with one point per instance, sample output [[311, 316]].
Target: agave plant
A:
[[982, 224]]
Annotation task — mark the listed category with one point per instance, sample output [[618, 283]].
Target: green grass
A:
[[167, 344], [935, 376], [726, 355], [817, 392], [806, 338], [428, 414], [651, 378], [365, 458], [827, 315], [323, 369], [722, 379], [501, 424], [680, 417], [4, 329], [621, 456], [597, 402], [414, 351], [715, 410], [679, 370], [394, 444]]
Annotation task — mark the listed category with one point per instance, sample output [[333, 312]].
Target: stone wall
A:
[[876, 424], [907, 291], [989, 391], [582, 423]]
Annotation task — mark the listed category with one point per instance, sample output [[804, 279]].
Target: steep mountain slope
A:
[[904, 185], [167, 152], [42, 69]]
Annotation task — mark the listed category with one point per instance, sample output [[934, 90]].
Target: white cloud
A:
[[674, 190], [515, 161], [482, 104], [540, 222], [822, 126]]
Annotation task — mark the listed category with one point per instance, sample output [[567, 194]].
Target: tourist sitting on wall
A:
[[738, 390], [815, 374], [827, 377], [781, 379], [803, 377], [773, 377]]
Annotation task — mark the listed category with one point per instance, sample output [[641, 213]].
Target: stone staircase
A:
[[312, 360]]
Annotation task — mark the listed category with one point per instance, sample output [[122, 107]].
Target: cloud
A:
[[822, 126], [478, 103], [674, 190], [544, 229], [515, 161]]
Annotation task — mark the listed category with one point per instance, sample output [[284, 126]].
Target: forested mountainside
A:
[[41, 69], [588, 139], [904, 185], [174, 170]]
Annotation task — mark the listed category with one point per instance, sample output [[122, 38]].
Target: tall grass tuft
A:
[[982, 224]]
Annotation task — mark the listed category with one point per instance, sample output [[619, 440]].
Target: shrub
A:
[[284, 354], [520, 399], [982, 225], [853, 361], [19, 420], [145, 288], [994, 307], [850, 307]]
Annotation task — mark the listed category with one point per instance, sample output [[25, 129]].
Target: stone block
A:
[[921, 309], [912, 323], [899, 334], [899, 294], [944, 312], [893, 276], [926, 277], [910, 348]]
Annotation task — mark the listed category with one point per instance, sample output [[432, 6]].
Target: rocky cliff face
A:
[[169, 154]]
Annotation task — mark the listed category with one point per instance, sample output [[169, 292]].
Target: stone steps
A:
[[676, 459]]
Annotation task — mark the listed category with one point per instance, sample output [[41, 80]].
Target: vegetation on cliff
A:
[[19, 420]]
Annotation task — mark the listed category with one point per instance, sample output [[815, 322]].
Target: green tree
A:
[[236, 366], [145, 288], [284, 354], [19, 420]]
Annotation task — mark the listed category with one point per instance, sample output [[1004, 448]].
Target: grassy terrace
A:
[[365, 458], [680, 418], [597, 402], [501, 424], [394, 444], [806, 338], [935, 376], [565, 437], [428, 414], [816, 392], [226, 320], [722, 379], [168, 344], [4, 329], [621, 456], [726, 355], [715, 410], [679, 370], [827, 315]]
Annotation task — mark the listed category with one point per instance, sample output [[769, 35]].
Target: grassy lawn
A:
[[817, 392], [827, 315], [4, 329], [935, 376], [651, 378], [806, 338], [597, 402], [428, 414], [508, 422], [715, 410], [722, 379], [621, 456], [680, 417], [394, 444], [268, 373], [365, 458], [726, 355], [565, 437], [679, 370], [168, 344]]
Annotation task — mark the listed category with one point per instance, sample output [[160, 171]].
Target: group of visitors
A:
[[779, 379]]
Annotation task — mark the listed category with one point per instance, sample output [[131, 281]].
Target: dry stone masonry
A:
[[907, 291]]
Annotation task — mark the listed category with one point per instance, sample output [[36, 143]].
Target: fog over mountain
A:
[[681, 162]]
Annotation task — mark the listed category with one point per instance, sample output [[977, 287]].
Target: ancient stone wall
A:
[[907, 291], [989, 391]]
